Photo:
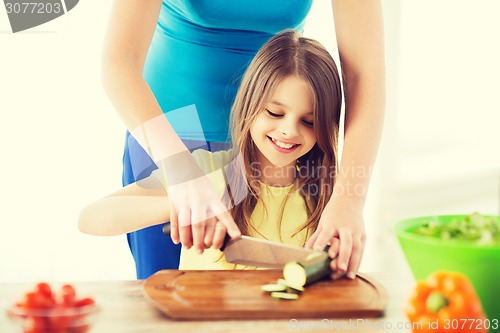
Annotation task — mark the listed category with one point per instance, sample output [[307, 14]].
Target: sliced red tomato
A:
[[68, 295], [43, 297], [44, 289]]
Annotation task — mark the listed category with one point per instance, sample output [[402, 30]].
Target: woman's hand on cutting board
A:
[[341, 227]]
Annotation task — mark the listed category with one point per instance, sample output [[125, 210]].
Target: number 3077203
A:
[[33, 8], [470, 324]]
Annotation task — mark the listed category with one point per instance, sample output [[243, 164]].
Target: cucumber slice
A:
[[290, 285], [307, 271], [295, 274], [282, 295], [269, 288]]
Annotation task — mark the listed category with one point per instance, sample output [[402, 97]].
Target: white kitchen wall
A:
[[448, 117], [60, 147], [445, 138], [61, 141]]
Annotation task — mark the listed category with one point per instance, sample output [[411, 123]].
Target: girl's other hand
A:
[[198, 217], [342, 227]]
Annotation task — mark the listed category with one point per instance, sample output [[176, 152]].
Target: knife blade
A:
[[258, 252]]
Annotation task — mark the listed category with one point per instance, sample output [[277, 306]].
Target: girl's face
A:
[[284, 130]]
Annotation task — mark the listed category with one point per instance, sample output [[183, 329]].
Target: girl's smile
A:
[[283, 146]]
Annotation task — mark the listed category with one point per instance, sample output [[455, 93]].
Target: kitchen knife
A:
[[258, 252]]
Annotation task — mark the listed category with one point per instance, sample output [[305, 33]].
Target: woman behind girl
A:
[[284, 128]]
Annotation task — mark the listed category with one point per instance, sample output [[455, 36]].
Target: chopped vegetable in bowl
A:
[[482, 230]]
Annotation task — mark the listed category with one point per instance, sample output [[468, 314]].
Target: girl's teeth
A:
[[283, 145]]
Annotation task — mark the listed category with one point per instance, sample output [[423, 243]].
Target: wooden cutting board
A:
[[215, 295]]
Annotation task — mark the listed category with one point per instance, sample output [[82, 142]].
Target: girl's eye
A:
[[308, 123], [275, 115]]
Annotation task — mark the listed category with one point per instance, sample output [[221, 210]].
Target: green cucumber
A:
[[312, 269]]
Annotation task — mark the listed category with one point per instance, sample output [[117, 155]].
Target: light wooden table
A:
[[125, 309]]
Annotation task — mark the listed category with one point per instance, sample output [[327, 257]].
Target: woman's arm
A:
[[360, 38], [136, 206], [131, 27], [130, 30]]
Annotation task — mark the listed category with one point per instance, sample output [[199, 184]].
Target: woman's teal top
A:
[[199, 52]]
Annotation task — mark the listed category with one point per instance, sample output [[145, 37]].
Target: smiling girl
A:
[[278, 177]]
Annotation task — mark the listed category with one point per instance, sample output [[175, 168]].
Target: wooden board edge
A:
[[382, 301], [149, 284]]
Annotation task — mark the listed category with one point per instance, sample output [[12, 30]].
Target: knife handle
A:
[[166, 230]]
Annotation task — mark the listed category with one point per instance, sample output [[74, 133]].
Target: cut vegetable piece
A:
[[295, 273], [282, 295], [269, 288], [301, 273], [290, 285]]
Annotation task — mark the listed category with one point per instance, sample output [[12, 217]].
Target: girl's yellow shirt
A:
[[278, 215]]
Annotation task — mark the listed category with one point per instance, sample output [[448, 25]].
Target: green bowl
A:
[[480, 263]]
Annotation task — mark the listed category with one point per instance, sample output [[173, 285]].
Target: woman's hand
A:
[[198, 217], [361, 50], [342, 227]]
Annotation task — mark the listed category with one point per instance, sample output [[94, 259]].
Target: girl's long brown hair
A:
[[287, 53]]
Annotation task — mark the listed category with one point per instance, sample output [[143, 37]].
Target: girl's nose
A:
[[289, 129]]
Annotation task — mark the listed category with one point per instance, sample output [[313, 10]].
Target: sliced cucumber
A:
[[269, 288], [290, 285], [282, 295], [295, 274], [307, 271]]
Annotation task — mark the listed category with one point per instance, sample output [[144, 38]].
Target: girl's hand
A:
[[342, 226], [197, 216]]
